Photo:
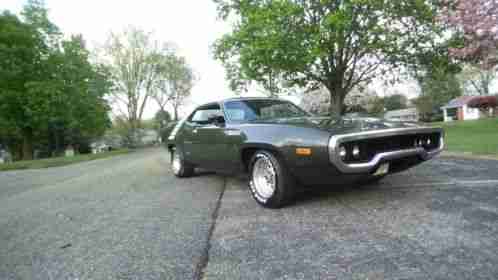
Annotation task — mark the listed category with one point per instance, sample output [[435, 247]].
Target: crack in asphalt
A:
[[204, 259]]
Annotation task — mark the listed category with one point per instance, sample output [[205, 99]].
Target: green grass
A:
[[479, 137], [58, 161]]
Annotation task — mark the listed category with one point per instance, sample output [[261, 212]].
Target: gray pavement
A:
[[128, 218]]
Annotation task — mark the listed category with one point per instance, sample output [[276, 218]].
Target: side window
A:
[[201, 116]]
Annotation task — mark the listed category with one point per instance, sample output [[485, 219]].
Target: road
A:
[[128, 217]]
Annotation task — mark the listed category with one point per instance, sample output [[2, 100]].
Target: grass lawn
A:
[[479, 137], [58, 161]]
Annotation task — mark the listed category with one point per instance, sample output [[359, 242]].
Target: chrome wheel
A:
[[176, 163], [264, 178]]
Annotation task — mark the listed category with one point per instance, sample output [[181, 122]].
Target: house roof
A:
[[458, 102]]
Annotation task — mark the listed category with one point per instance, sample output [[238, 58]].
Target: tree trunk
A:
[[176, 112], [27, 146], [336, 106]]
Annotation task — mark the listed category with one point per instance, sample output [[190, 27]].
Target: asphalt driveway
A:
[[128, 218]]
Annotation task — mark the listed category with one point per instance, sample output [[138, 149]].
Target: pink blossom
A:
[[477, 20]]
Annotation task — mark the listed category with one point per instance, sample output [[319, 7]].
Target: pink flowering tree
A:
[[477, 22]]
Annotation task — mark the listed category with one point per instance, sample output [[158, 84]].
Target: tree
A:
[[133, 58], [22, 61], [36, 15], [477, 79], [82, 113], [362, 100], [162, 118], [395, 102], [437, 89], [174, 83], [477, 23], [334, 44], [46, 80]]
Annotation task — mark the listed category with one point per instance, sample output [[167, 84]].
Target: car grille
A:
[[372, 146]]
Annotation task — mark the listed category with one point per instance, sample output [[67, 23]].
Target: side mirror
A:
[[217, 120]]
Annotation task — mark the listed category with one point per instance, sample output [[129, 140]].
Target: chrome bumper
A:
[[336, 140]]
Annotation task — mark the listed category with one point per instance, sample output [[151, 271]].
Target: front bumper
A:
[[366, 167]]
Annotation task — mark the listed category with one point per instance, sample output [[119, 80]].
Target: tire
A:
[[180, 168], [276, 190]]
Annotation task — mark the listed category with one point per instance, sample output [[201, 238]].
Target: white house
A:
[[458, 109]]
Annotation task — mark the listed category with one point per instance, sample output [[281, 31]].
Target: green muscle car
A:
[[282, 146]]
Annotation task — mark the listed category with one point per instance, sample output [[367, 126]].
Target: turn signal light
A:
[[303, 151]]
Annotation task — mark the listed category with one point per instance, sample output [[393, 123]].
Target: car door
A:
[[209, 144], [202, 138]]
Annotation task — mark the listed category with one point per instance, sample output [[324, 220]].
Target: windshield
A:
[[261, 109]]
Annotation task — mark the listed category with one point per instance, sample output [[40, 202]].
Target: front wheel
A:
[[270, 183], [179, 167]]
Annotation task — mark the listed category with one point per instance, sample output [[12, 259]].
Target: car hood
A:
[[340, 125]]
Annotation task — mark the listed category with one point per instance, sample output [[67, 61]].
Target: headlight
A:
[[356, 151], [342, 152]]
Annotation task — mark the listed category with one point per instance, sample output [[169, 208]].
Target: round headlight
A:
[[342, 152], [356, 151]]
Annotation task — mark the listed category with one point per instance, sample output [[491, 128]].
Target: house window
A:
[[452, 113]]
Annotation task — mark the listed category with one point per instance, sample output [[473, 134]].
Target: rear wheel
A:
[[270, 183], [179, 167]]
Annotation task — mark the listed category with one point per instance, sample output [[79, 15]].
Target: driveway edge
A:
[[457, 155]]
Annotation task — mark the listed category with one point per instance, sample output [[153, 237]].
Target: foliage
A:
[[142, 68], [438, 88], [477, 23], [45, 80], [395, 102], [132, 58], [174, 84], [334, 44], [477, 80], [360, 100], [162, 118], [366, 101]]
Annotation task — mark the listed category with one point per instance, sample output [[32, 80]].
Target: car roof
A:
[[239, 99]]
